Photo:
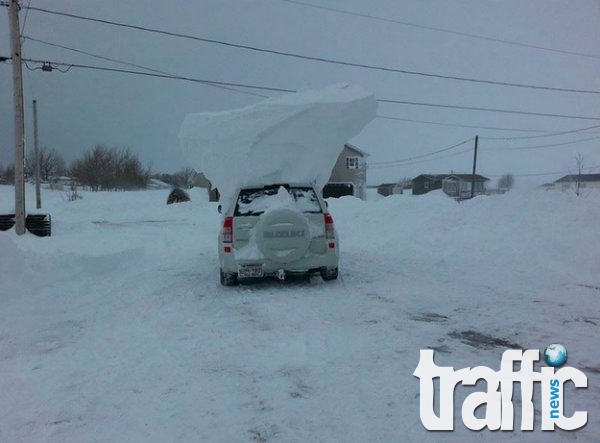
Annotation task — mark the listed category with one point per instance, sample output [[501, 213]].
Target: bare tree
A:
[[110, 169], [128, 170], [51, 164], [72, 193], [7, 175], [579, 162], [181, 179], [507, 181], [94, 169], [187, 174]]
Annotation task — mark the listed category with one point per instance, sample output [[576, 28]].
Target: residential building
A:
[[424, 183], [200, 181], [349, 175], [453, 185], [569, 182], [386, 189], [464, 186]]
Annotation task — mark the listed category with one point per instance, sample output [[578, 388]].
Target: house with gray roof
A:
[[349, 175], [453, 185], [569, 182]]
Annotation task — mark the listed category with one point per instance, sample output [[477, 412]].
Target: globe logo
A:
[[555, 355]]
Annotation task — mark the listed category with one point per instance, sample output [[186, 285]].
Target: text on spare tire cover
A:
[[283, 234]]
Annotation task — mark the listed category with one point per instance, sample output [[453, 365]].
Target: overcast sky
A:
[[82, 108]]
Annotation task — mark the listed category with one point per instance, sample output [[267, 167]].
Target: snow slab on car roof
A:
[[294, 138]]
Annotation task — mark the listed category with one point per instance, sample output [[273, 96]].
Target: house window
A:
[[426, 185], [352, 163]]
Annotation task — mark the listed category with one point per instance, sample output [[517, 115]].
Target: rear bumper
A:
[[308, 263]]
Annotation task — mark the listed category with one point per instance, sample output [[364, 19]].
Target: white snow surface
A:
[[115, 329], [294, 138], [269, 202], [301, 200]]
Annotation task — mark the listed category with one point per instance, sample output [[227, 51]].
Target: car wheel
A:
[[329, 274], [228, 279]]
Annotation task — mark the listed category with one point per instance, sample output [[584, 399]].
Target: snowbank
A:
[[292, 138]]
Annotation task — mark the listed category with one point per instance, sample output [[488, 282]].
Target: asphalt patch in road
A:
[[430, 317], [480, 340]]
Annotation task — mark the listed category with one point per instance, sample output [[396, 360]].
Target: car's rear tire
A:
[[329, 274], [228, 279]]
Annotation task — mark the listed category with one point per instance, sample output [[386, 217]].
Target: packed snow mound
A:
[[295, 138]]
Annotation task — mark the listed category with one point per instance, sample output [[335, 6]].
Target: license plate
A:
[[247, 271]]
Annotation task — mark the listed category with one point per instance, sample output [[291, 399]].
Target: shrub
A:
[[177, 196]]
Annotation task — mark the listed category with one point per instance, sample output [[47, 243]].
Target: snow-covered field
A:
[[115, 329]]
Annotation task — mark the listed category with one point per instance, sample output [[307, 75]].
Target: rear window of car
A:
[[256, 201]]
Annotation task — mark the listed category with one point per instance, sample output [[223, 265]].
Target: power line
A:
[[36, 68], [46, 66], [447, 31], [313, 58], [494, 128], [454, 154], [535, 174], [56, 45], [538, 136], [410, 160], [543, 146], [545, 173], [422, 155], [25, 22], [167, 76], [277, 89], [132, 64], [473, 108]]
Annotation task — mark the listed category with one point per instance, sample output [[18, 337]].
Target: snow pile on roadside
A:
[[292, 138]]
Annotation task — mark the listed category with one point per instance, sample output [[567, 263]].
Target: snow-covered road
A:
[[116, 329]]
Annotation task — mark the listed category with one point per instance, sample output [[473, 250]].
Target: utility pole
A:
[[15, 40], [474, 167], [36, 153]]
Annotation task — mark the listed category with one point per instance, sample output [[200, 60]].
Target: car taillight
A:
[[329, 230], [228, 230]]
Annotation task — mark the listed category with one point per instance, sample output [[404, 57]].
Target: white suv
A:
[[277, 230]]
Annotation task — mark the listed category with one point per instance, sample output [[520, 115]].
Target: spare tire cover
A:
[[283, 235]]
